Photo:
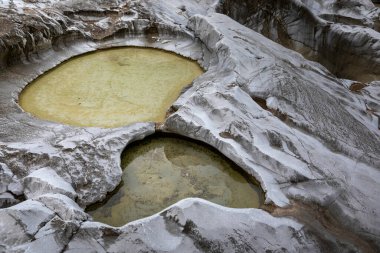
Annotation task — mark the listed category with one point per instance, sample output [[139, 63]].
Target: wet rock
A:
[[46, 180], [314, 142]]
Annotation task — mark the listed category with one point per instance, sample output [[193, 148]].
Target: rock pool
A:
[[110, 88], [159, 171]]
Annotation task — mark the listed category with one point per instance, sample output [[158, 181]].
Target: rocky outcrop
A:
[[46, 180], [310, 138], [11, 189], [29, 31], [338, 34], [278, 137], [251, 230], [46, 223]]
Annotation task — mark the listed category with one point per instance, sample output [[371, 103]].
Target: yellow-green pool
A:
[[110, 88]]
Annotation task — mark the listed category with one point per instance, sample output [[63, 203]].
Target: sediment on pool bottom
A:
[[159, 171], [110, 88]]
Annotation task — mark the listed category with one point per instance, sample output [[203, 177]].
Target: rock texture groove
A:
[[308, 131]]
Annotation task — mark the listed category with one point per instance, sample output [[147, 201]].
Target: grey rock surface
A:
[[46, 180], [342, 35], [250, 230], [63, 206], [20, 223], [310, 138]]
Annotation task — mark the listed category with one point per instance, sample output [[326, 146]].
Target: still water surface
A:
[[159, 171], [110, 88]]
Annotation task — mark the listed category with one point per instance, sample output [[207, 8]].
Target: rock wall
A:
[[338, 34]]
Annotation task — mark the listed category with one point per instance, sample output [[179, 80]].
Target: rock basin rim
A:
[[165, 136], [129, 84], [313, 144]]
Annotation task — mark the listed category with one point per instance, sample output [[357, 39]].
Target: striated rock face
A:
[[342, 35], [310, 138]]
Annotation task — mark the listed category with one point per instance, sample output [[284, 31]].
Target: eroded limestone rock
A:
[[300, 130], [181, 228], [20, 223], [63, 206], [10, 187], [46, 180], [338, 34]]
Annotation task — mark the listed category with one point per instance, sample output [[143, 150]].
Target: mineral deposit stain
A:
[[160, 171], [110, 88]]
